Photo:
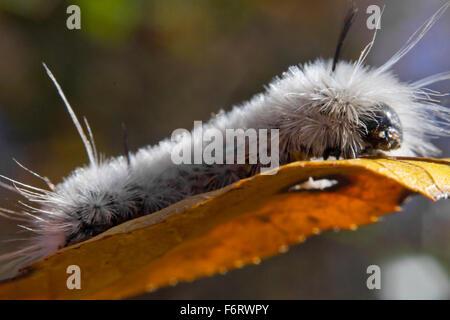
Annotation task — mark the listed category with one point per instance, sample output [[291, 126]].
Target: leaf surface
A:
[[240, 224]]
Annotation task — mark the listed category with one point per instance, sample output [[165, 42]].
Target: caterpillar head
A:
[[354, 111], [384, 131], [349, 109]]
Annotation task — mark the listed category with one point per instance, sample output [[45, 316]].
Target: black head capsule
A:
[[384, 129]]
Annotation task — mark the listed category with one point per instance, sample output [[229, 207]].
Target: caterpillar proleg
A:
[[319, 109]]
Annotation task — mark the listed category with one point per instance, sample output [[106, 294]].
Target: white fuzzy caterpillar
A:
[[321, 108]]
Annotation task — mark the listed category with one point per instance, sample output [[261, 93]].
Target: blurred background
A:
[[159, 65]]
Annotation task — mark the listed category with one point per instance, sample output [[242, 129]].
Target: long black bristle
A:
[[349, 18]]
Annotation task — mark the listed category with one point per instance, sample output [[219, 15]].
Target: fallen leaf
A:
[[240, 224]]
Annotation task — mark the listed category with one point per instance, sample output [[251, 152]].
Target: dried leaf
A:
[[240, 224]]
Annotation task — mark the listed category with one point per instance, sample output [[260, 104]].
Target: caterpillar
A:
[[320, 109]]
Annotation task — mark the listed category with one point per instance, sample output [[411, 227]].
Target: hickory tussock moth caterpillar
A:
[[323, 108]]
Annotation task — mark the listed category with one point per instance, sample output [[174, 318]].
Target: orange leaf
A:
[[225, 229]]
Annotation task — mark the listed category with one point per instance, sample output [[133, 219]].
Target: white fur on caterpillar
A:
[[314, 107]]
